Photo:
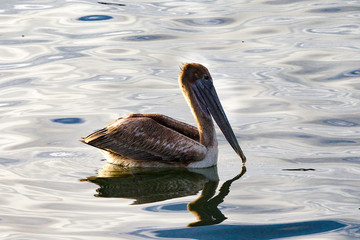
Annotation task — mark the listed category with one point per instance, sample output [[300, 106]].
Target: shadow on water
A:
[[151, 185]]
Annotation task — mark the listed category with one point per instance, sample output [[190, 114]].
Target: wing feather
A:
[[142, 138]]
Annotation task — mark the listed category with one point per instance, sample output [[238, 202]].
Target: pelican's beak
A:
[[210, 104]]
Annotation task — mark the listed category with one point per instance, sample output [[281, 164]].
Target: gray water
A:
[[287, 73]]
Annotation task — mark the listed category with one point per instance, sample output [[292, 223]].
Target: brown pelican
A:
[[156, 140]]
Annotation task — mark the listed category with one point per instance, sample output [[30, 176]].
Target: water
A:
[[287, 73]]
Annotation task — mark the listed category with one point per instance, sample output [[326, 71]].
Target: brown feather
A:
[[142, 138], [180, 127]]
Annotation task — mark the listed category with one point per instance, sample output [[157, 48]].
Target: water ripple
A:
[[286, 72], [15, 82], [8, 161], [207, 22], [22, 41], [41, 60], [335, 9], [341, 123], [168, 207], [249, 232], [340, 30], [68, 120], [95, 18], [153, 37]]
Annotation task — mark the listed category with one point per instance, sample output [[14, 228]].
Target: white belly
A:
[[209, 161]]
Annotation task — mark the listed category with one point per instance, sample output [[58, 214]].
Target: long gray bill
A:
[[207, 96]]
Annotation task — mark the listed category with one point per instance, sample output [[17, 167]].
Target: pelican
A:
[[156, 140]]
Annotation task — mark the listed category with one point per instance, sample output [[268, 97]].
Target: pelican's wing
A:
[[142, 138], [178, 126]]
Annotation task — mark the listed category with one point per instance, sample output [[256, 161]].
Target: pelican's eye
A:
[[206, 77]]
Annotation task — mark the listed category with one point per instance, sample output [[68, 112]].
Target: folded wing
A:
[[143, 138]]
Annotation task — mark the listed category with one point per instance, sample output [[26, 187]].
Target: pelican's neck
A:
[[204, 122]]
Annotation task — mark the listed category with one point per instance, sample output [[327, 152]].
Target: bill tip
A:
[[243, 158]]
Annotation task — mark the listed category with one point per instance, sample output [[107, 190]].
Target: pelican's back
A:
[[144, 139]]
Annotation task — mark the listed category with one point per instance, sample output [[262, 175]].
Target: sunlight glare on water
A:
[[287, 73]]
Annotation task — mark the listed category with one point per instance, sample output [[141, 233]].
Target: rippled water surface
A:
[[287, 73]]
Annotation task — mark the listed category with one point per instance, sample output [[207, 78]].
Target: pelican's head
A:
[[197, 84]]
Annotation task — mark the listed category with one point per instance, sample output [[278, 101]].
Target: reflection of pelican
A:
[[205, 208], [154, 140], [148, 185]]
